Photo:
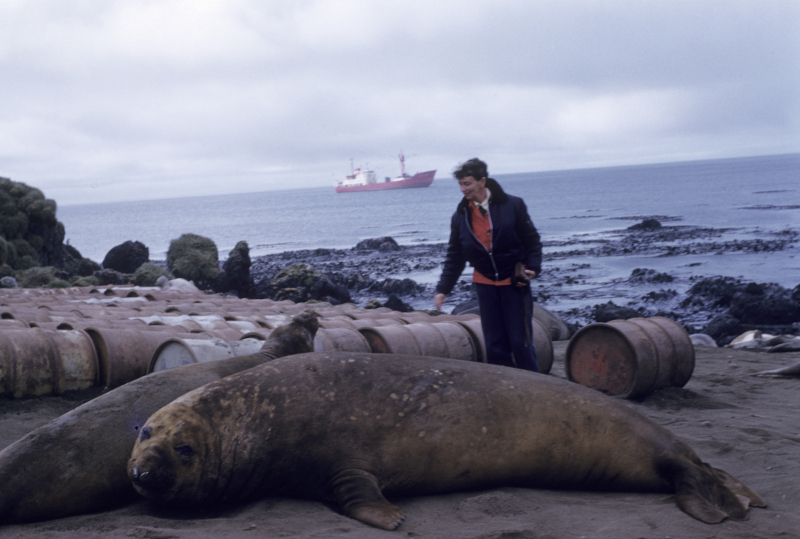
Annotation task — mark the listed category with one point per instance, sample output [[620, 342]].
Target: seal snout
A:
[[150, 476]]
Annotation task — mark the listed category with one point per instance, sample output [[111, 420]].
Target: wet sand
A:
[[746, 425]]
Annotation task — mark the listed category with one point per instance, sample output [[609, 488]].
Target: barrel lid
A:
[[601, 357]]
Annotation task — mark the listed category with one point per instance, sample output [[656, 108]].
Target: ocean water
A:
[[753, 196]]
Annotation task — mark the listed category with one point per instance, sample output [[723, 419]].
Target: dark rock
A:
[[299, 283], [712, 292], [263, 289], [87, 267], [723, 329], [396, 304], [763, 305], [127, 257], [298, 295], [294, 276], [381, 244], [609, 311], [752, 304], [72, 251], [324, 289], [647, 224], [235, 274], [108, 276], [660, 295], [641, 276], [400, 287]]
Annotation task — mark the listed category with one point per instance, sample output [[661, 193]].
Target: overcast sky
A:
[[105, 100]]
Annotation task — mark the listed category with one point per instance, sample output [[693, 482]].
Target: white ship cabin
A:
[[358, 177], [404, 176]]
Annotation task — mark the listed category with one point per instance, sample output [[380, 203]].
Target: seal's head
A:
[[168, 460], [296, 337]]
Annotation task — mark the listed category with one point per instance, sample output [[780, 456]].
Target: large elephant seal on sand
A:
[[77, 463], [348, 427]]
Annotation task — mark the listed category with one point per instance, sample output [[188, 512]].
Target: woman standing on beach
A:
[[494, 233]]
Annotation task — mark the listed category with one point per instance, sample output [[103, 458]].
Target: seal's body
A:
[[77, 463], [350, 427]]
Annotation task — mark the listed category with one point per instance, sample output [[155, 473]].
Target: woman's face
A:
[[472, 189]]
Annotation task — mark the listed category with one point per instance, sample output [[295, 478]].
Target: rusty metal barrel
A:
[[541, 341], [630, 358], [391, 340], [440, 339], [340, 340], [458, 341], [38, 361], [336, 322], [124, 354]]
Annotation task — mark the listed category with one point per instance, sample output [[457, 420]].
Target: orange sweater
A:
[[482, 227]]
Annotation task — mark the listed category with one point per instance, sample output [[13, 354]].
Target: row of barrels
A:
[[114, 340], [37, 361], [628, 358]]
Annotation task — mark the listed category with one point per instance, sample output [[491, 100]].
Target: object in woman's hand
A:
[[519, 278]]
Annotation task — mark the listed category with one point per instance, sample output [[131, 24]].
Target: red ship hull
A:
[[422, 179]]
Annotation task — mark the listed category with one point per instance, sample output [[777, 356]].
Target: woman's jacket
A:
[[514, 239]]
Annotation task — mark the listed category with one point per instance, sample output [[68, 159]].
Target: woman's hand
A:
[[530, 274], [438, 300]]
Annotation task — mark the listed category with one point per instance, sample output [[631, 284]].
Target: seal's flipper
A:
[[379, 514], [360, 497], [701, 493], [739, 488]]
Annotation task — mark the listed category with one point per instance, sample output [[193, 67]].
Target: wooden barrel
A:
[[630, 358]]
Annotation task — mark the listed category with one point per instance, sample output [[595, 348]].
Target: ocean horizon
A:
[[743, 197]]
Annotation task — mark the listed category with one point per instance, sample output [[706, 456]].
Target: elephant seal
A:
[[77, 463], [349, 427]]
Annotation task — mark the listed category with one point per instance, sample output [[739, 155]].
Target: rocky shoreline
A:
[[654, 267], [375, 271]]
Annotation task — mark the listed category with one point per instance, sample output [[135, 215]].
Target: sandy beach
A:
[[746, 425]]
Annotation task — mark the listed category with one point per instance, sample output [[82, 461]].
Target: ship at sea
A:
[[364, 180]]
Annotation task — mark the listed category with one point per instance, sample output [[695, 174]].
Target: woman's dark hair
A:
[[474, 167]]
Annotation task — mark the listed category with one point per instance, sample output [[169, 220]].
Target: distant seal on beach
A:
[[77, 463], [176, 284], [350, 427], [791, 370]]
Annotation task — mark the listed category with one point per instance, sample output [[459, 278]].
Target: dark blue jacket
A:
[[514, 239]]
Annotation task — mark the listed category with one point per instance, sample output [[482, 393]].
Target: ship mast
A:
[[402, 164]]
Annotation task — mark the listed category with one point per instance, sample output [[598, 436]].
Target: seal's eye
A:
[[145, 435], [184, 450]]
